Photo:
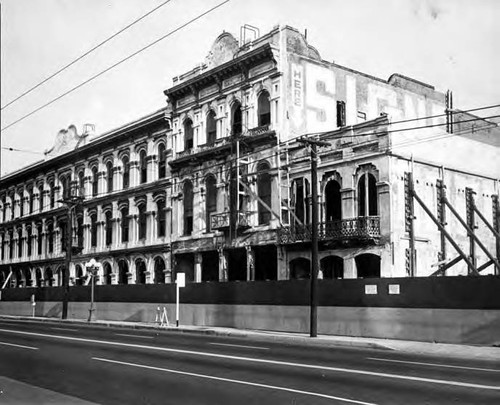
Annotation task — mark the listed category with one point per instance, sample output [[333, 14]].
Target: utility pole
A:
[[313, 299], [71, 202]]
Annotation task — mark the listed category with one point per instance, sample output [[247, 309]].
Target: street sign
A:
[[181, 279]]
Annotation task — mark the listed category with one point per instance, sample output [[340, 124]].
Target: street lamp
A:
[[92, 268]]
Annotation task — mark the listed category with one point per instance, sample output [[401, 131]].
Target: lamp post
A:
[[92, 268]]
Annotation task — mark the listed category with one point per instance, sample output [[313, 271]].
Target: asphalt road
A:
[[78, 364]]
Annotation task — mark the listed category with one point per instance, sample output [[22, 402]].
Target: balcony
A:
[[222, 220], [345, 231]]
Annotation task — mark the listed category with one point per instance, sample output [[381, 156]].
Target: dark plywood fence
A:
[[437, 292]]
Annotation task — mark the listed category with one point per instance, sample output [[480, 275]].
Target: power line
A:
[[275, 154], [21, 150], [85, 54], [114, 65]]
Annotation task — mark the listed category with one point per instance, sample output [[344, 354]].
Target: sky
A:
[[450, 44]]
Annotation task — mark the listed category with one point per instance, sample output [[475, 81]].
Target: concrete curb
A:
[[325, 341]]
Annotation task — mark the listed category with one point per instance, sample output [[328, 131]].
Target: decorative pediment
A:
[[66, 141], [223, 50]]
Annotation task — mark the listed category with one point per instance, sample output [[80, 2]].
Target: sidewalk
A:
[[413, 347]]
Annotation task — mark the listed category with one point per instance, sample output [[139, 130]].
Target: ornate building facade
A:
[[216, 185]]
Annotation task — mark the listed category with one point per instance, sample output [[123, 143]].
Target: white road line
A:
[[263, 361], [68, 329], [210, 377], [246, 347], [137, 336], [435, 364], [21, 346]]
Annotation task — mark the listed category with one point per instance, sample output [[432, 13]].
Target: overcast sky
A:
[[451, 44]]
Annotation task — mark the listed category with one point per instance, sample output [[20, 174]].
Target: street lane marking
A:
[[435, 364], [210, 377], [68, 329], [245, 347], [21, 346], [264, 361], [137, 336]]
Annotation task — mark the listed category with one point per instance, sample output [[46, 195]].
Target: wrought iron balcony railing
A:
[[361, 228], [222, 220]]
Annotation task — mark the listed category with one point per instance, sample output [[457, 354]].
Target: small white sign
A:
[[371, 289], [393, 289], [181, 279]]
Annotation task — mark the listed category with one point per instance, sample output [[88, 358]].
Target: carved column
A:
[[223, 256]]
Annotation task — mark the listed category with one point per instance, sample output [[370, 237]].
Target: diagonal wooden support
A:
[[471, 233], [446, 266], [445, 233]]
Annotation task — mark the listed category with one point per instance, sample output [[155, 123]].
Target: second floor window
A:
[[109, 228], [126, 172], [40, 239], [188, 208], [142, 221], [264, 193], [211, 199], [29, 239], [143, 166], [50, 238], [109, 176], [95, 181], [264, 107], [93, 230], [211, 128], [341, 113], [236, 120], [162, 161], [367, 196], [188, 134], [20, 243], [124, 224], [161, 216]]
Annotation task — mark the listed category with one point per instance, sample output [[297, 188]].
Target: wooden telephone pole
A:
[[313, 300]]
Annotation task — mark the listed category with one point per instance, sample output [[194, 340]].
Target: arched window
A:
[[188, 134], [332, 267], [143, 166], [300, 269], [20, 243], [39, 230], [368, 265], [300, 200], [109, 228], [264, 192], [50, 238], [264, 109], [79, 231], [62, 232], [52, 194], [367, 195], [78, 275], [236, 120], [126, 172], [49, 277], [122, 272], [2, 247], [333, 201], [159, 267], [107, 272], [29, 239], [211, 199], [64, 181], [188, 207], [142, 221], [124, 224], [162, 161], [211, 128], [140, 268], [30, 200], [161, 218], [95, 182], [93, 230], [11, 244], [81, 183], [109, 175], [40, 199], [21, 204]]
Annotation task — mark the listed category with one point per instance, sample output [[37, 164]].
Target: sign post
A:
[[180, 281]]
